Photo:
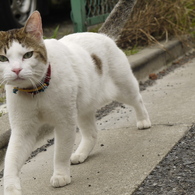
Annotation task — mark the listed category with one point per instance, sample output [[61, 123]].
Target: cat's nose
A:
[[17, 70]]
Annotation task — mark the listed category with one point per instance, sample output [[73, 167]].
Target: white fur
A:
[[76, 90], [28, 66]]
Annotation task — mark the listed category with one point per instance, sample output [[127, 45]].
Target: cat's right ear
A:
[[34, 25], [2, 33]]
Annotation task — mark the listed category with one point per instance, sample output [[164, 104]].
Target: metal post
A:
[[79, 15]]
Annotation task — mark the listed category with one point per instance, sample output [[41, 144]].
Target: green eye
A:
[[28, 55], [3, 59]]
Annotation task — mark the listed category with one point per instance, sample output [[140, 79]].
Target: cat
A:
[[61, 83]]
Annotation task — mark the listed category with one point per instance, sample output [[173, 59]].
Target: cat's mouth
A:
[[19, 79]]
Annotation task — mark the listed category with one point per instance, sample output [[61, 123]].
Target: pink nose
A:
[[16, 70]]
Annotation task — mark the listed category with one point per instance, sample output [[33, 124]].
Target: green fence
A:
[[90, 12]]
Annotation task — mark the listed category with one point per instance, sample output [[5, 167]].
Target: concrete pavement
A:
[[123, 156]]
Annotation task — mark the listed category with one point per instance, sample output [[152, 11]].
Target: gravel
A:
[[175, 174]]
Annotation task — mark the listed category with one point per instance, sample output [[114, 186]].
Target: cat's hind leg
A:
[[129, 94], [143, 120], [89, 136]]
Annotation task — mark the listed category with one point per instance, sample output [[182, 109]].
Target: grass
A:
[[2, 100], [95, 28], [132, 51], [153, 21], [2, 95], [1, 114], [55, 33]]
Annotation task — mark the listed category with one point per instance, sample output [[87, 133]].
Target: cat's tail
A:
[[117, 18]]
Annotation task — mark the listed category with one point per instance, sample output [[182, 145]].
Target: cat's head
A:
[[23, 56]]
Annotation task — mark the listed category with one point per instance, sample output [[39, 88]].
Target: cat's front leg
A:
[[64, 141], [14, 189], [19, 148]]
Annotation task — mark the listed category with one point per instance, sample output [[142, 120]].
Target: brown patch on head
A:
[[25, 39], [98, 62]]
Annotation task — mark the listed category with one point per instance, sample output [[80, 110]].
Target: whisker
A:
[[33, 84], [37, 74], [38, 82], [4, 81], [39, 71]]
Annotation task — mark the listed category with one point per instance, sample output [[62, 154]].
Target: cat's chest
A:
[[28, 106], [46, 109], [54, 108]]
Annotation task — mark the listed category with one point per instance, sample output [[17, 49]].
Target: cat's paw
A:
[[144, 124], [78, 158], [59, 180], [12, 190]]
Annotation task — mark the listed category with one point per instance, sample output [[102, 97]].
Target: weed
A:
[[55, 33], [95, 28], [132, 51], [153, 21], [2, 100]]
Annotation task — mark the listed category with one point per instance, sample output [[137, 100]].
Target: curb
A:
[[4, 139], [147, 61], [152, 59]]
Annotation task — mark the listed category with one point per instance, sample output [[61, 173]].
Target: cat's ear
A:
[[34, 25], [2, 33]]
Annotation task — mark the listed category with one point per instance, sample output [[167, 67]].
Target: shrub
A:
[[156, 20]]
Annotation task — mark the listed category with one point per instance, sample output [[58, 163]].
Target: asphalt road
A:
[[175, 174]]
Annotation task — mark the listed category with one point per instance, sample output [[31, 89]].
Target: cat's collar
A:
[[40, 88]]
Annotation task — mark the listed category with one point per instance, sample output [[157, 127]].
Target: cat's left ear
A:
[[34, 25]]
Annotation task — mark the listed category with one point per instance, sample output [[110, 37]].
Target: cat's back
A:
[[92, 42], [86, 37]]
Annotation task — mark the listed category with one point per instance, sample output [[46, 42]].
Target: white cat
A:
[[62, 83]]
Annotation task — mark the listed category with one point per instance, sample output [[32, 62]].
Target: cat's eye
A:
[[3, 58], [28, 55]]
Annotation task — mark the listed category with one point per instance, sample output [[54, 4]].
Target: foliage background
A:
[[156, 20]]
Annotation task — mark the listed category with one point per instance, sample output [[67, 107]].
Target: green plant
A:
[[55, 33], [132, 51], [2, 99], [95, 28]]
